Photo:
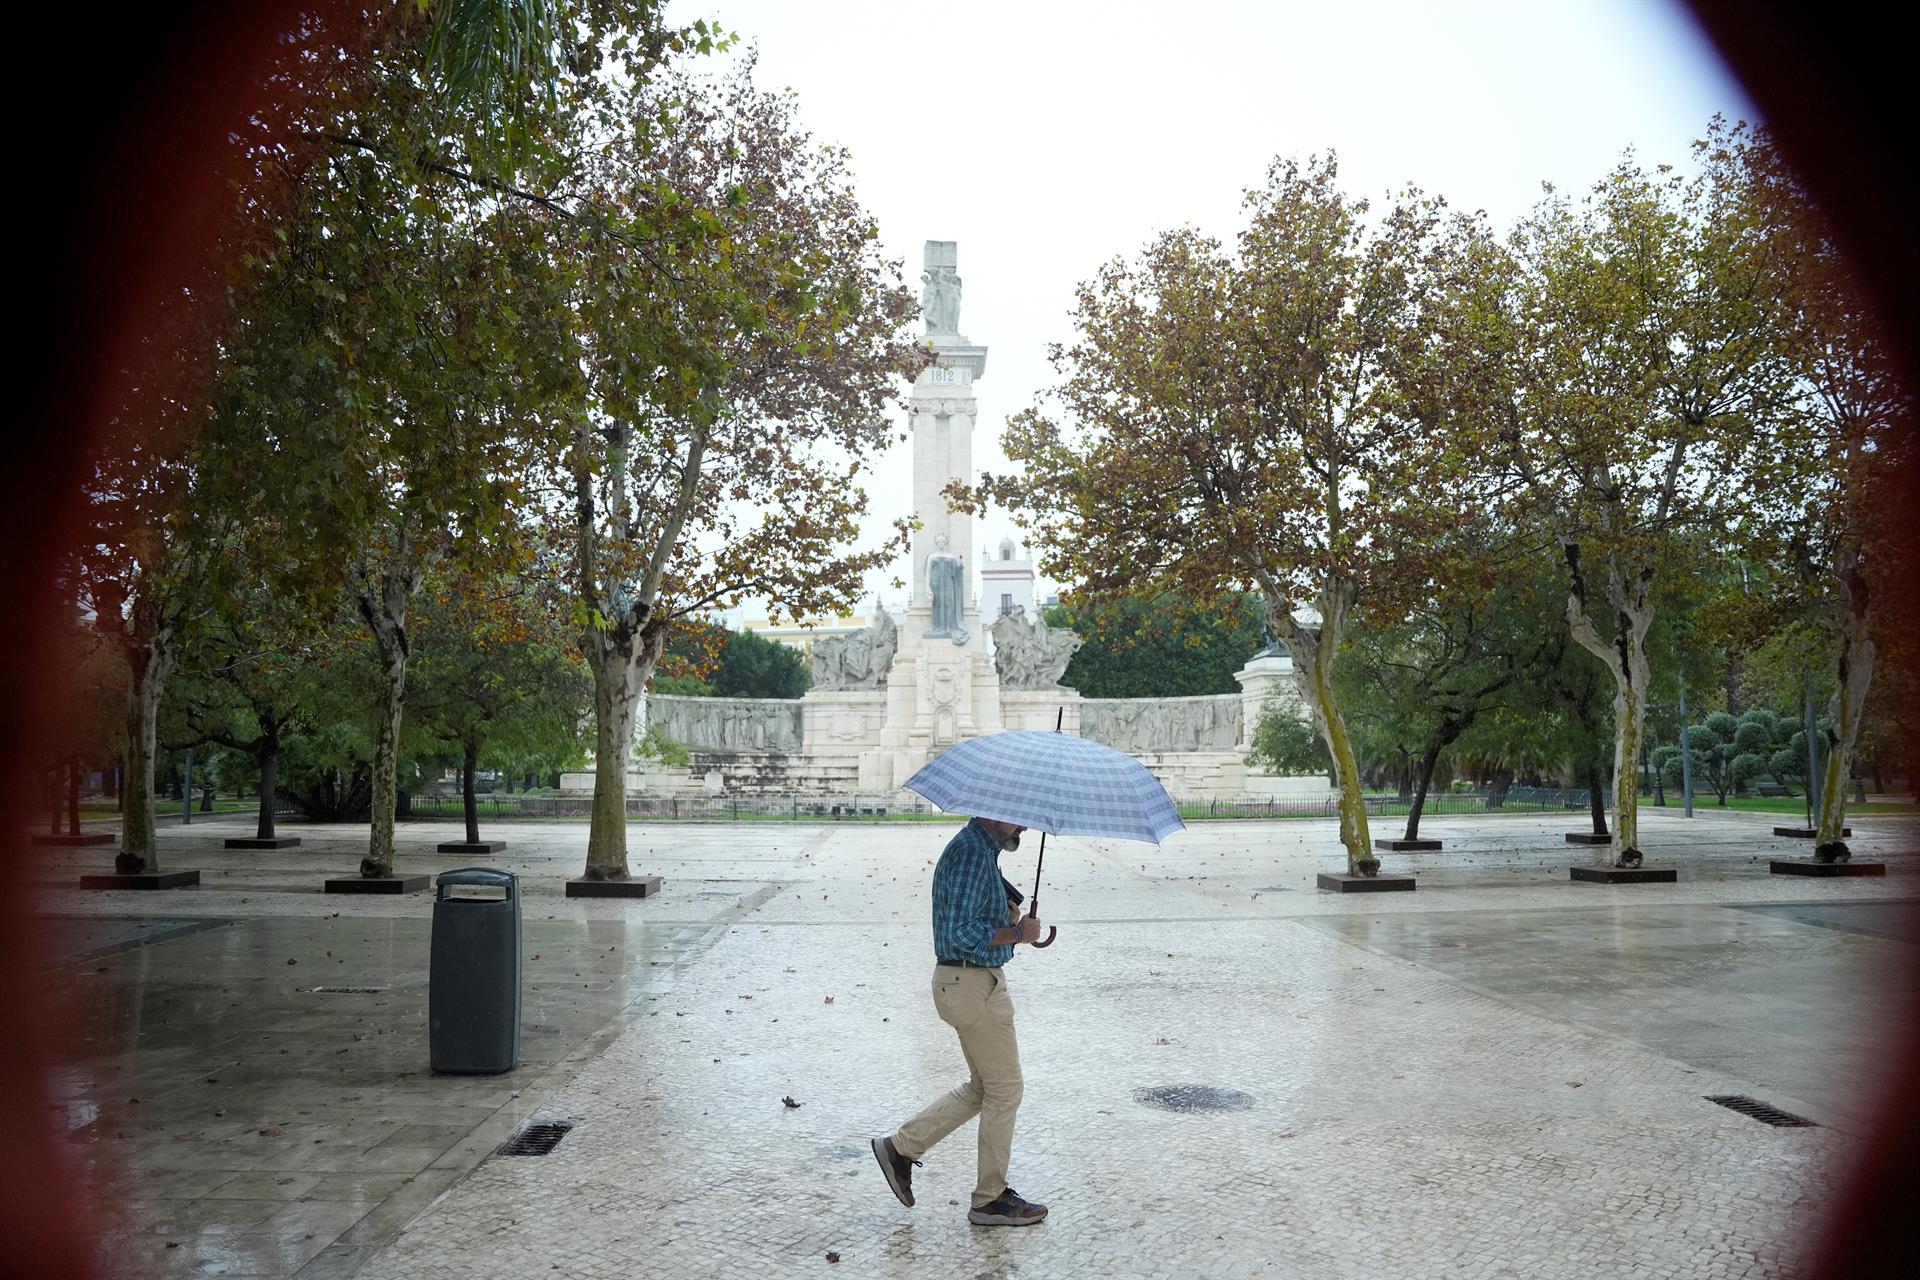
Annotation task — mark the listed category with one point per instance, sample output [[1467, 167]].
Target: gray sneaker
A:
[[898, 1168], [1008, 1211]]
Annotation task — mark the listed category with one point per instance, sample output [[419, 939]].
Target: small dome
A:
[[1006, 548]]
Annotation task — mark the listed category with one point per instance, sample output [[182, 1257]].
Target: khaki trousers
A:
[[975, 1003]]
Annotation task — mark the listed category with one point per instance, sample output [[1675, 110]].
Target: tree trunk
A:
[[1624, 652], [382, 599], [73, 796], [1597, 797], [1853, 643], [472, 807], [110, 780], [618, 677], [386, 765], [1313, 651], [1420, 787], [267, 755], [147, 669]]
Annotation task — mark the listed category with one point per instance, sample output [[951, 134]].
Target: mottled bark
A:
[[383, 601], [148, 666], [1313, 651], [622, 661], [624, 646], [1623, 650], [1853, 676]]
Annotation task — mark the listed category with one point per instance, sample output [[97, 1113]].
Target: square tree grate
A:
[[1762, 1112], [537, 1139]]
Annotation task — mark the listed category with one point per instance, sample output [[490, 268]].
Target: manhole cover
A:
[[1193, 1097]]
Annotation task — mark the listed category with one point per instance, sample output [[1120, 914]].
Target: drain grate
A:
[[537, 1139], [1193, 1097], [1761, 1111]]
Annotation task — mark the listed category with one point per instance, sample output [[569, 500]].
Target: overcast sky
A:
[[1046, 136]]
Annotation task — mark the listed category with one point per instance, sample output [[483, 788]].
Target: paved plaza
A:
[[1501, 1074]]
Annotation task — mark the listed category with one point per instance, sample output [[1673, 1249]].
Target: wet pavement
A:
[[1500, 1074]]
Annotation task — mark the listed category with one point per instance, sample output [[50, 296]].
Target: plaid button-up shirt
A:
[[970, 899]]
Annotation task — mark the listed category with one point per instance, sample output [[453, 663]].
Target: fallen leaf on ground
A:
[[272, 1131], [788, 1100], [832, 1256], [828, 1000]]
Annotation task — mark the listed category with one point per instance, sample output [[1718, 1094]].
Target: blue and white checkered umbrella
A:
[[1050, 782]]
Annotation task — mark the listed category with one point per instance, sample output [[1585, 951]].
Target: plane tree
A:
[[1250, 416], [1641, 379], [742, 340], [1838, 526]]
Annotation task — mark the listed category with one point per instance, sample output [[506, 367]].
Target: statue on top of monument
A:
[[940, 302], [947, 582]]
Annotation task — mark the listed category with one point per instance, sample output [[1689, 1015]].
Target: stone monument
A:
[[943, 686], [888, 697]]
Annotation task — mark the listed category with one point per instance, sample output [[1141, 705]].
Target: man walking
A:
[[975, 927]]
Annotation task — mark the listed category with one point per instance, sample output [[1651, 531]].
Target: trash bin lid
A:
[[484, 876]]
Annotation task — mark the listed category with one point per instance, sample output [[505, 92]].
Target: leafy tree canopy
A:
[[1163, 647]]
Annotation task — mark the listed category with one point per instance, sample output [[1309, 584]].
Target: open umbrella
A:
[[1052, 783]]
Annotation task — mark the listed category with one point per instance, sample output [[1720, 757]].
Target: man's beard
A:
[[1009, 843]]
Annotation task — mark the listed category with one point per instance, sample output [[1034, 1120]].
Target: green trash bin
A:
[[473, 979]]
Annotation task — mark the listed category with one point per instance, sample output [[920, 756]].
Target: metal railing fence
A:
[[792, 808]]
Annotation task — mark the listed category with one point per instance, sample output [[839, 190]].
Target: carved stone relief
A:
[[729, 724], [1164, 724]]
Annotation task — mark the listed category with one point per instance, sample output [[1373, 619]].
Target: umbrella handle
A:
[[1034, 905]]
